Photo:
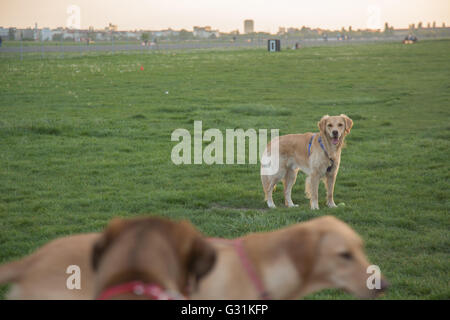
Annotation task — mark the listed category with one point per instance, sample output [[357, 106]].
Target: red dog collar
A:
[[139, 288]]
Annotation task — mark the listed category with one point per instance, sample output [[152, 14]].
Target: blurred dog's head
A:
[[330, 254], [335, 128], [167, 253]]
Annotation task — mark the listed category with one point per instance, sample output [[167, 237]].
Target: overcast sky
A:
[[225, 15]]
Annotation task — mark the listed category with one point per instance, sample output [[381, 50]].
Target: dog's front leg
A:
[[330, 179], [314, 190]]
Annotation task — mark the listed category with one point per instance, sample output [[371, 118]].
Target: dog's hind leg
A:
[[270, 188], [269, 183], [288, 182], [265, 184]]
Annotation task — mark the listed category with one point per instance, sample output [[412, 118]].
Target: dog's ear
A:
[[323, 123], [348, 123], [199, 255], [302, 249], [202, 258], [112, 230]]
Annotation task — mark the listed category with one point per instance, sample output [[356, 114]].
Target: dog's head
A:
[[329, 254], [335, 128], [151, 249]]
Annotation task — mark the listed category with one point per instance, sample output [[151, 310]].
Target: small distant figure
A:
[[410, 39], [325, 37], [1, 40], [297, 46]]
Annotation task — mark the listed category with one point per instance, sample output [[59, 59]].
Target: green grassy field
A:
[[85, 139]]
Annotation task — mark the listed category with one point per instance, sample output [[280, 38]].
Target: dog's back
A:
[[43, 274]]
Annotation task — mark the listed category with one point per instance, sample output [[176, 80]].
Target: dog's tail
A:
[[11, 272]]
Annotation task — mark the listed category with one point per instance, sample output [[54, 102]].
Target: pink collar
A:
[[139, 288], [247, 265]]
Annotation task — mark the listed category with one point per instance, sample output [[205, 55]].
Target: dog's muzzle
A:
[[335, 137]]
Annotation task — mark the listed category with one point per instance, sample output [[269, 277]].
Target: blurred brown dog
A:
[[290, 263], [317, 155], [149, 258], [154, 252]]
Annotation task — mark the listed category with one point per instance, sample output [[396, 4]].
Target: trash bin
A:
[[273, 45]]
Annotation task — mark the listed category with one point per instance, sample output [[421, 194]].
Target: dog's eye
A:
[[340, 124], [346, 255], [330, 125]]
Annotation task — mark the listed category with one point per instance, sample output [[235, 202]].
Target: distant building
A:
[[4, 33], [249, 26], [281, 30], [13, 34], [205, 32], [111, 27], [36, 32], [75, 35], [167, 33], [46, 34], [132, 35], [27, 34]]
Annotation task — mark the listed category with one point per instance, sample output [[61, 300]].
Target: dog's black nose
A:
[[335, 133], [384, 285]]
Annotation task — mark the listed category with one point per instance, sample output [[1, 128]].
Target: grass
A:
[[85, 139]]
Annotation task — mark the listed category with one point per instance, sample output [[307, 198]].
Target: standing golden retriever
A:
[[316, 154]]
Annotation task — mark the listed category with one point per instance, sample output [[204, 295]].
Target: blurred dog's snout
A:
[[384, 285], [335, 133]]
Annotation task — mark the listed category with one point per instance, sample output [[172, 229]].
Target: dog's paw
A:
[[314, 206], [332, 204], [291, 205], [271, 205]]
